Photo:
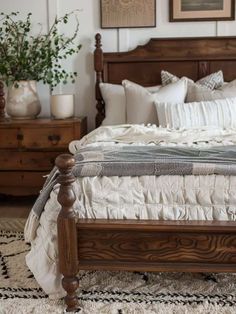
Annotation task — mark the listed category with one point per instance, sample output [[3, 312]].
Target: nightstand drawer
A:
[[28, 149], [27, 160], [21, 183], [49, 138], [22, 179], [8, 138], [36, 138]]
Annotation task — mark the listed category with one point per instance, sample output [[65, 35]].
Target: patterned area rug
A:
[[12, 224], [113, 292]]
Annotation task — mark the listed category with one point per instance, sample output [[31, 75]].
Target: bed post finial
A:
[[2, 102], [98, 66], [66, 228], [98, 38]]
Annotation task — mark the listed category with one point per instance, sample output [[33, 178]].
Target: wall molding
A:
[[123, 39], [52, 12]]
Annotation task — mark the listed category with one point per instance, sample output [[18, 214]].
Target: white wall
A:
[[113, 40]]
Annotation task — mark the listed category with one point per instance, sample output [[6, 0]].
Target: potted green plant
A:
[[27, 59]]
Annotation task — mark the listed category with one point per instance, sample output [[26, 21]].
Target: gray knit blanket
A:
[[145, 160]]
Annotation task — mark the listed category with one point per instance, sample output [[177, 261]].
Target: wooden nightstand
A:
[[28, 149]]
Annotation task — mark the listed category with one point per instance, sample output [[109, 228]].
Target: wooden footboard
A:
[[186, 246]]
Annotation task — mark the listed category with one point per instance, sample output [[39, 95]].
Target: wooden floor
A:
[[15, 207]]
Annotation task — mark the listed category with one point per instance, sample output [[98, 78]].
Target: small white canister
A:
[[62, 106]]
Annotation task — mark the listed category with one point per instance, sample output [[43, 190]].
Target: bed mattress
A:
[[210, 197]]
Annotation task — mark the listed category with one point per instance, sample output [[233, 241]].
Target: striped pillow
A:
[[218, 113]]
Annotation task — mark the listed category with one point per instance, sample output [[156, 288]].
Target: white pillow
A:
[[200, 93], [115, 102], [221, 113], [140, 102], [212, 81]]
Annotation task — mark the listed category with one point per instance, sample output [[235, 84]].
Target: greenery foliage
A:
[[27, 57]]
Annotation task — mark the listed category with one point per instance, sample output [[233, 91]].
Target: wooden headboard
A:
[[191, 57]]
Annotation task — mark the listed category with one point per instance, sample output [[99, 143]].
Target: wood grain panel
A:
[[22, 178], [141, 247], [49, 138], [39, 161], [8, 138], [21, 182], [194, 226], [115, 265], [20, 190], [227, 66], [173, 49], [148, 73], [150, 245]]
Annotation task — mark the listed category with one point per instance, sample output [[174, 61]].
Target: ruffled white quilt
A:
[[210, 197]]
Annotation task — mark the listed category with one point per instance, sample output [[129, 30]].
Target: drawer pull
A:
[[54, 139], [20, 137]]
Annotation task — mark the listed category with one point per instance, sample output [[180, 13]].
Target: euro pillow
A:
[[219, 113], [115, 102], [140, 101], [200, 93], [212, 81]]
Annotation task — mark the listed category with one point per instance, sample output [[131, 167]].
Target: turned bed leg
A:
[[67, 235]]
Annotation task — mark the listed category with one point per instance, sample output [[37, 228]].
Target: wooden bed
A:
[[131, 245]]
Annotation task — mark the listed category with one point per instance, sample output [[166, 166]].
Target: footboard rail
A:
[[185, 246], [136, 245]]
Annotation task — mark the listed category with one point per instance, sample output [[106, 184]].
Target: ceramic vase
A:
[[23, 101]]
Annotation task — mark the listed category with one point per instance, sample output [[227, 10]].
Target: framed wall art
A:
[[201, 10], [128, 13]]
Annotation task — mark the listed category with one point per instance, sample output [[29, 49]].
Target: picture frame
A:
[[201, 10], [128, 14]]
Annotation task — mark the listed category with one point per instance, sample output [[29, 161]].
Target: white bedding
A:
[[210, 197]]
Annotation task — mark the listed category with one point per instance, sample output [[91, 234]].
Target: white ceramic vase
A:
[[62, 106], [23, 101]]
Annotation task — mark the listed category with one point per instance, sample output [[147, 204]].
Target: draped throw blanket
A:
[[149, 160], [138, 161]]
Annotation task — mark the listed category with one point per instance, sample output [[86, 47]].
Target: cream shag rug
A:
[[113, 292]]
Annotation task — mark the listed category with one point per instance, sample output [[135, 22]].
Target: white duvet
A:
[[210, 197]]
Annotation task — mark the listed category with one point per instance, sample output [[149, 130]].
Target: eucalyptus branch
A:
[[28, 57]]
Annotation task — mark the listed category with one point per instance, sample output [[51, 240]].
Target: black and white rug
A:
[[113, 292]]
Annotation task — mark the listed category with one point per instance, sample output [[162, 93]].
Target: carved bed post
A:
[[2, 102], [98, 66], [67, 235]]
